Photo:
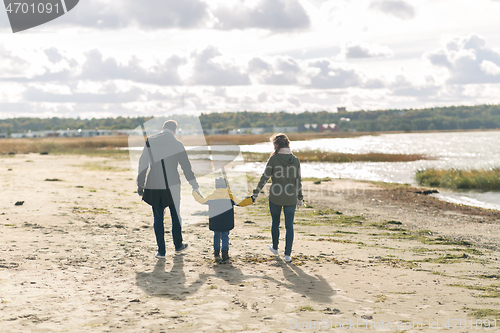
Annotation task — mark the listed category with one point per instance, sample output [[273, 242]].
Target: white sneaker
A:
[[288, 259], [275, 252], [159, 256]]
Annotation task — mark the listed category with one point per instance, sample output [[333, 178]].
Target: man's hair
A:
[[171, 125]]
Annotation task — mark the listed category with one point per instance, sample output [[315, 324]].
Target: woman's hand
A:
[[255, 194]]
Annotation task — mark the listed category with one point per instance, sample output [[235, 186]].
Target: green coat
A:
[[284, 171]]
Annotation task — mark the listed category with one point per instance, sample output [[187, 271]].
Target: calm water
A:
[[450, 150]]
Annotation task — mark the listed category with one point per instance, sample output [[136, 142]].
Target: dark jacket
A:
[[221, 208], [284, 171], [163, 146]]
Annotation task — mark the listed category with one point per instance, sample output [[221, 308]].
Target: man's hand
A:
[[253, 198], [300, 203], [140, 191]]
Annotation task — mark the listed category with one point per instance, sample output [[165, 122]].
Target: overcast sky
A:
[[130, 58]]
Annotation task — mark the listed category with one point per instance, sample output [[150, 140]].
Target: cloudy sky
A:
[[130, 58]]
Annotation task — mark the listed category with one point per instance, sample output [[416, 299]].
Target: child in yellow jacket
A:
[[221, 214]]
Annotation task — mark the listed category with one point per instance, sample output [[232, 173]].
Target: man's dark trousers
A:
[[158, 213]]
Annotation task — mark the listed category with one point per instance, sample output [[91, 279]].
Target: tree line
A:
[[438, 118]]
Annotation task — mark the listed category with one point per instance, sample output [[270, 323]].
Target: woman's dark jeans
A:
[[289, 212]]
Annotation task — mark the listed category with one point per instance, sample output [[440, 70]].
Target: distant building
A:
[[181, 131], [329, 128], [286, 129], [69, 133], [341, 109], [309, 128], [248, 130], [304, 127]]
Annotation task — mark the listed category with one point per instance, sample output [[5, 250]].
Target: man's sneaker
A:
[[288, 259], [217, 254], [182, 248], [159, 256], [275, 252], [225, 255]]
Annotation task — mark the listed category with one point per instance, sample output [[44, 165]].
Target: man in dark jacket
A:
[[162, 155]]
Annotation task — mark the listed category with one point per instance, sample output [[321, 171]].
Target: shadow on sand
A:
[[314, 287], [172, 284]]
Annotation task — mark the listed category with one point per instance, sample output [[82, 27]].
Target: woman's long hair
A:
[[279, 141]]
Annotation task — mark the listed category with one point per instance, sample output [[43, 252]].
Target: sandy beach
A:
[[78, 256]]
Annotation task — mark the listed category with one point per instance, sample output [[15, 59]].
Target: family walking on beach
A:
[[161, 187]]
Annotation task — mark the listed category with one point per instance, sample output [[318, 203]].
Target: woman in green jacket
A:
[[286, 190]]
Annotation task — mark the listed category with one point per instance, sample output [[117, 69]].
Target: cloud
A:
[[209, 69], [54, 66], [283, 71], [96, 68], [257, 65], [4, 20], [53, 55], [32, 94], [11, 64], [468, 60], [328, 75], [397, 8], [404, 87], [490, 68], [363, 50], [275, 15], [149, 14]]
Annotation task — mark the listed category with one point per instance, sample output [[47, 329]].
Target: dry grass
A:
[[106, 145], [89, 146], [319, 156], [482, 179]]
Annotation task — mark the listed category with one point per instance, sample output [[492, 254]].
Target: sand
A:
[[78, 256]]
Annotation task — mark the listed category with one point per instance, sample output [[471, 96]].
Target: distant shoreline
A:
[[260, 138], [102, 145]]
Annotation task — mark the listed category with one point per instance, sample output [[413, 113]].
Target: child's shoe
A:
[[216, 254], [225, 255], [288, 259]]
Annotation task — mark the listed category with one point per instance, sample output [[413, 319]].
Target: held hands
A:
[[198, 191], [300, 203], [256, 193], [140, 191]]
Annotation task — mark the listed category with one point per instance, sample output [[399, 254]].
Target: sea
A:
[[460, 150]]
